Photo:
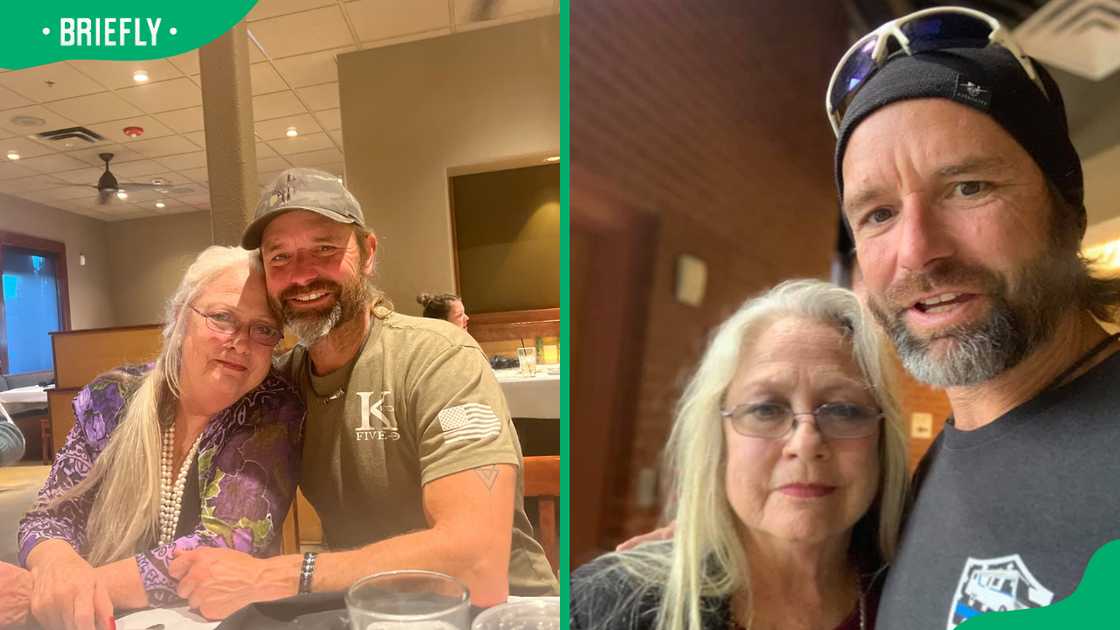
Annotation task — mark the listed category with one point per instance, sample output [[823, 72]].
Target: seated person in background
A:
[[127, 489], [444, 306], [788, 466], [12, 443]]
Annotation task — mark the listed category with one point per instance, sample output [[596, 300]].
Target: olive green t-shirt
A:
[[418, 403]]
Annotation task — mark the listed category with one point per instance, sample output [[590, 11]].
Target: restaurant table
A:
[[532, 396], [19, 485]]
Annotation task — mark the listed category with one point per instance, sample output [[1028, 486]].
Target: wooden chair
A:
[[542, 482]]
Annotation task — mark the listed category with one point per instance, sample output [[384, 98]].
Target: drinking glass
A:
[[538, 613], [527, 359], [409, 600]]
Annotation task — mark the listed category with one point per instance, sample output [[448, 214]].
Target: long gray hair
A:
[[706, 559], [124, 518]]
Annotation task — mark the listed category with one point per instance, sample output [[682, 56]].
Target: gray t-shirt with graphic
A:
[[1008, 515]]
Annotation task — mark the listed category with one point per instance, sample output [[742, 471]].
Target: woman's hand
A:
[[68, 594], [15, 595]]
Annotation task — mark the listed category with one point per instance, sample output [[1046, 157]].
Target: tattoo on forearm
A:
[[488, 474]]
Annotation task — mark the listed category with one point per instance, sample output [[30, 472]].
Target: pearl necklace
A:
[[171, 497]]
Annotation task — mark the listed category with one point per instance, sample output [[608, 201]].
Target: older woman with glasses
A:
[[788, 471], [201, 448]]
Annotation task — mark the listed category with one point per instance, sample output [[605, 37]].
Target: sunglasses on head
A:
[[921, 31]]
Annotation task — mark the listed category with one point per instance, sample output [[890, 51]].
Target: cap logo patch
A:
[[972, 93]]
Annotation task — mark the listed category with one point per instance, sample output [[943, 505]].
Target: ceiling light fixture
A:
[[133, 132], [554, 158], [291, 132], [27, 121], [13, 155], [140, 76], [160, 204], [122, 194]]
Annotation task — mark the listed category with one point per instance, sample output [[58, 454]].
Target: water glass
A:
[[526, 614], [409, 600], [527, 359]]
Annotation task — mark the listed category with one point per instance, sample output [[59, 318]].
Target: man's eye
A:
[[970, 189], [878, 215], [222, 316], [278, 258]]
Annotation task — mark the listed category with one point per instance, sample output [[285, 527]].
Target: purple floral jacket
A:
[[248, 466]]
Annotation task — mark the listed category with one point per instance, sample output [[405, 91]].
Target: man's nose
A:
[[923, 237]]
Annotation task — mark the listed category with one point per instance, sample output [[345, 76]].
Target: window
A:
[[34, 302]]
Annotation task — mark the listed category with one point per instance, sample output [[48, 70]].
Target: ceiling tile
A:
[[272, 164], [27, 148], [311, 68], [68, 193], [113, 130], [94, 108], [171, 207], [317, 158], [92, 155], [52, 163], [309, 31], [159, 147], [10, 169], [30, 184], [264, 79], [184, 161], [81, 176], [272, 8], [199, 175], [263, 151], [198, 200], [183, 120], [336, 135], [51, 120], [164, 96], [118, 74], [9, 99], [329, 118], [301, 144], [197, 137], [139, 170], [264, 178], [320, 96], [187, 63], [466, 11], [383, 19], [141, 196], [278, 127], [276, 105], [51, 82]]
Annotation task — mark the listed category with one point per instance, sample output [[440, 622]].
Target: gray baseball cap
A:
[[303, 189]]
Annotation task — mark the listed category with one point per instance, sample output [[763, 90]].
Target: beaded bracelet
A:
[[306, 571]]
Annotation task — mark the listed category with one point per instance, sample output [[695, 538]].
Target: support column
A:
[[231, 149]]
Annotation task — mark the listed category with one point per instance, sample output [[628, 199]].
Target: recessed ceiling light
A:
[[554, 158], [133, 131], [27, 121], [140, 76], [160, 204], [13, 155], [159, 181], [291, 132], [122, 194]]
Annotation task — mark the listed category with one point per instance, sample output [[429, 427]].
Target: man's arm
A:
[[470, 518]]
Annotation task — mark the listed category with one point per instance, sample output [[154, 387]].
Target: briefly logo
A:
[[379, 412], [995, 584], [973, 93]]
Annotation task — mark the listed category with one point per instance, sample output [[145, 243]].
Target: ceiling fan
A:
[[108, 187]]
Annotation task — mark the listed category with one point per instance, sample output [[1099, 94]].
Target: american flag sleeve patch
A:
[[469, 421]]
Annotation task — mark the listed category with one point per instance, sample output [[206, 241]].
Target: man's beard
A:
[[1025, 311], [312, 325]]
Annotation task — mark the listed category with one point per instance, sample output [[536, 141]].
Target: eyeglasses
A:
[[836, 421], [922, 31], [228, 324]]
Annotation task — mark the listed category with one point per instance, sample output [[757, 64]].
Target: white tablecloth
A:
[[29, 394], [180, 618], [532, 396]]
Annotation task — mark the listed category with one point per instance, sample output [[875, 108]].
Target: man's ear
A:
[[371, 247]]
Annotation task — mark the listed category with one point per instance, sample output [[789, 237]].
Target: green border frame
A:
[[565, 308]]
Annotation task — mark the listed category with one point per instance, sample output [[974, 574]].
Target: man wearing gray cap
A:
[[963, 194], [409, 454]]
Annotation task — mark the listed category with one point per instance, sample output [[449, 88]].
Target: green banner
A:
[[36, 33]]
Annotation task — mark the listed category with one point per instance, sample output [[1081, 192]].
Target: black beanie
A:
[[989, 80]]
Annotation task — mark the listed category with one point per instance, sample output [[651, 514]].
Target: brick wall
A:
[[709, 115]]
